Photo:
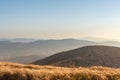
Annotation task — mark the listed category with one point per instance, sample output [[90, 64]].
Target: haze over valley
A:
[[59, 39], [29, 51]]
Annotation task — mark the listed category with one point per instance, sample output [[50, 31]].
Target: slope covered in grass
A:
[[13, 71]]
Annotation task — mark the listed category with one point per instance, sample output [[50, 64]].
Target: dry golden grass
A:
[[13, 71]]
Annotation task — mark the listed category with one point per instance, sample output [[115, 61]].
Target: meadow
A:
[[14, 71]]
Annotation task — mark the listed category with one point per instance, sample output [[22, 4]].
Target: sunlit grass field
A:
[[14, 71]]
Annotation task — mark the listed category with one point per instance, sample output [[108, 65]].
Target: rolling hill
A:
[[86, 56]]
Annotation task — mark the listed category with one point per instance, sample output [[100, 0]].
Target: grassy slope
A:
[[13, 71]]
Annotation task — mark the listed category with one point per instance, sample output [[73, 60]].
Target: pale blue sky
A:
[[60, 19]]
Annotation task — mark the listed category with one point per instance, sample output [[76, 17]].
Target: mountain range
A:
[[11, 50]]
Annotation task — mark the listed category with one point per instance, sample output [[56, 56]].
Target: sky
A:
[[56, 19]]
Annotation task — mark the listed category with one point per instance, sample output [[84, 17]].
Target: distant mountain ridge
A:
[[40, 47], [43, 48], [86, 56], [22, 40]]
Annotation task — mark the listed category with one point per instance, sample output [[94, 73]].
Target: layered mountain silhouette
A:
[[12, 50], [86, 56], [42, 48]]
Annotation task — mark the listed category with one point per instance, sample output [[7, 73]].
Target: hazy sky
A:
[[60, 19]]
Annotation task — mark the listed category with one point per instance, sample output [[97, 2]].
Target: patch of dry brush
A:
[[13, 71]]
